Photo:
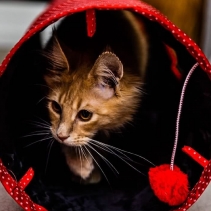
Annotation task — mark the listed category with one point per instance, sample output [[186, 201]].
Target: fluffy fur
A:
[[89, 94]]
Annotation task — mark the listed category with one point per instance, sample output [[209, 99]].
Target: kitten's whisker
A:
[[80, 157], [46, 87], [50, 147], [11, 172], [84, 153], [42, 120], [40, 100], [129, 123], [39, 124], [37, 141], [76, 149], [107, 149], [124, 151], [83, 156], [102, 147], [40, 130], [129, 164], [35, 134], [47, 128], [96, 163], [105, 159]]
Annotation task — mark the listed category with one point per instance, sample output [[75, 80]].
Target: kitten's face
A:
[[77, 111], [86, 99]]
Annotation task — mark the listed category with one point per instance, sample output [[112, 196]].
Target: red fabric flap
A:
[[61, 8], [16, 189]]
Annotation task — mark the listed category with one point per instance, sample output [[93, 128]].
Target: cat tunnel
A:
[[36, 186]]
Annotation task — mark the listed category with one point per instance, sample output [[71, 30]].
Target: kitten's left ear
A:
[[56, 57], [108, 71], [57, 63]]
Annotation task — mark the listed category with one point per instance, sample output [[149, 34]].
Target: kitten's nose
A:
[[62, 137]]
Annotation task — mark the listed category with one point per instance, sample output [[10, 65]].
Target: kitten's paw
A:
[[94, 178]]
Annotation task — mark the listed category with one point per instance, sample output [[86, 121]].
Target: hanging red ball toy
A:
[[170, 186], [168, 182]]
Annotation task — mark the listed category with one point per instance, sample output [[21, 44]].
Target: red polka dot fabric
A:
[[91, 22], [195, 155], [198, 189], [61, 8], [16, 189]]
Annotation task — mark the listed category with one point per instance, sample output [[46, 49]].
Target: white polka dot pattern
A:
[[16, 189], [195, 155], [61, 8], [91, 22], [199, 188]]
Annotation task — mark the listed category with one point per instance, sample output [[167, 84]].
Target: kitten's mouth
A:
[[71, 141]]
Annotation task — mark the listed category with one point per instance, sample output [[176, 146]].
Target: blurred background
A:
[[192, 16]]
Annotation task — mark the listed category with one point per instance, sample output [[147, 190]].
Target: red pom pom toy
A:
[[170, 186]]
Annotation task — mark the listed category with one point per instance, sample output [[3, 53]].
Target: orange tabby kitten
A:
[[89, 93]]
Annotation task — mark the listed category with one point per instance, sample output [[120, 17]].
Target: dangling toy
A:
[[168, 182]]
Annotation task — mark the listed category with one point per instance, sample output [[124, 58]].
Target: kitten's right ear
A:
[[108, 72], [57, 62]]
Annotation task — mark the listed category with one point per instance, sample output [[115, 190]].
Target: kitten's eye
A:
[[56, 107], [85, 115]]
